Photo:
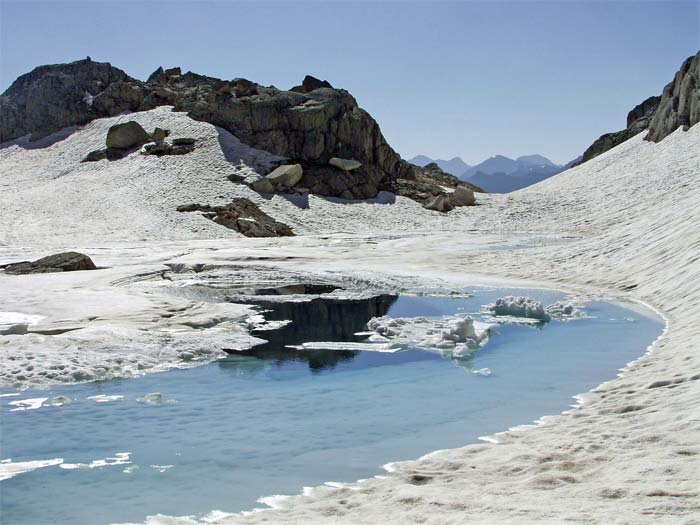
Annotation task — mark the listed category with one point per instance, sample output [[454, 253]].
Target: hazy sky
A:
[[442, 78]]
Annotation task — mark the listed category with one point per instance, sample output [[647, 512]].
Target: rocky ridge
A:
[[309, 125]]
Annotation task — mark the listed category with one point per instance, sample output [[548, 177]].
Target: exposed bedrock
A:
[[678, 106], [243, 216], [310, 125]]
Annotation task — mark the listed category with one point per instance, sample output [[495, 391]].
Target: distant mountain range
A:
[[499, 174], [455, 166]]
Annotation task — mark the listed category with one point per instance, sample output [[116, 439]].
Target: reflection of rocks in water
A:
[[320, 319], [317, 359]]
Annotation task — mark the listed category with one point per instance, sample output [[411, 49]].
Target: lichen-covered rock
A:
[[680, 102], [344, 164], [60, 262], [127, 135], [243, 216]]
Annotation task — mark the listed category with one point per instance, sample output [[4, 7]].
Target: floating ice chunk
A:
[[120, 458], [9, 469], [13, 394], [563, 310], [162, 468], [102, 398], [482, 372], [27, 404], [456, 335], [519, 306]]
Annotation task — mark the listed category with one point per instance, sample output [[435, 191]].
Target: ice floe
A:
[[103, 398], [27, 404], [9, 468], [120, 458]]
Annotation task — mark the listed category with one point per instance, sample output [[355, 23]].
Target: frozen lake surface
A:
[[222, 435]]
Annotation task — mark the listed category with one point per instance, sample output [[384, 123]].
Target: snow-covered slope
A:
[[622, 224]]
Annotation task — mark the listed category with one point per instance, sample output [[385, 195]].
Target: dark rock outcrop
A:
[[53, 97], [680, 102], [60, 262], [243, 216], [310, 125], [637, 121]]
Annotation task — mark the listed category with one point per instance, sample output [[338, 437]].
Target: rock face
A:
[[680, 101], [60, 262], [127, 135], [311, 124], [286, 175], [678, 106], [243, 216], [57, 96]]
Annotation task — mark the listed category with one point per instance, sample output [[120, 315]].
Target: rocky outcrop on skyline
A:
[[678, 106], [680, 101], [310, 125]]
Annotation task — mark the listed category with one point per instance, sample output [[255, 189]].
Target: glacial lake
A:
[[272, 421]]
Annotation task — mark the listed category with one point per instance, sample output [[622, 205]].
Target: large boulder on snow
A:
[[462, 196], [286, 175], [127, 135], [60, 262]]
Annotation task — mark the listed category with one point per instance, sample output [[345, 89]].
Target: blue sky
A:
[[442, 78]]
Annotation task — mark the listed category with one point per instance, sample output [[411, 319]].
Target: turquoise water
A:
[[243, 427]]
